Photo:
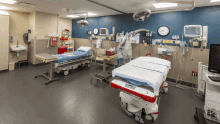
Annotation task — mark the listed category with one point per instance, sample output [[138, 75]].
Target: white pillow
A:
[[84, 48]]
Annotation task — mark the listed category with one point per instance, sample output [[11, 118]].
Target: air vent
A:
[[27, 5]]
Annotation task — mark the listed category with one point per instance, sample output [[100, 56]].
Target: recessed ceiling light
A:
[[72, 16], [8, 1], [90, 14], [4, 7], [215, 1], [4, 13], [164, 5]]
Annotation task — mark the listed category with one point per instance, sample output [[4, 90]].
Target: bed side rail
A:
[[133, 90]]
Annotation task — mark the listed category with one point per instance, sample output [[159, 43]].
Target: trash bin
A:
[[11, 66]]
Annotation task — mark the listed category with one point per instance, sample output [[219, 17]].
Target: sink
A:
[[17, 48]]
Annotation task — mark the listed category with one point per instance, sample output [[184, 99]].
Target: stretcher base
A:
[[139, 101], [102, 78], [45, 75]]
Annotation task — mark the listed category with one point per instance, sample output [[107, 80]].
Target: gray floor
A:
[[73, 100]]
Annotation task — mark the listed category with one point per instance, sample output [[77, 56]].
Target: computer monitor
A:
[[214, 58]]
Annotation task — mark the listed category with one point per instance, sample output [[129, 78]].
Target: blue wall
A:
[[175, 21]]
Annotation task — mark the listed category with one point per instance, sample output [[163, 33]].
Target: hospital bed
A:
[[141, 82], [65, 62]]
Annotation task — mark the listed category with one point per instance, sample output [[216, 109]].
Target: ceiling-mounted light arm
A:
[[139, 30], [86, 15], [192, 3]]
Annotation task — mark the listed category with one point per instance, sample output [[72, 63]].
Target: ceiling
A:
[[126, 6]]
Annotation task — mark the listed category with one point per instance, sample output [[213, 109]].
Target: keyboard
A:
[[216, 79]]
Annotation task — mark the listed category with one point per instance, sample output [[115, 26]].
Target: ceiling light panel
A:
[[8, 1], [165, 5], [4, 7], [3, 13], [215, 1], [72, 16], [90, 14]]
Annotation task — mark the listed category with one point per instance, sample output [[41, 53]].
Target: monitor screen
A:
[[214, 58], [103, 31]]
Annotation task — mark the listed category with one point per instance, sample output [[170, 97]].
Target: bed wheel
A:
[[88, 65], [79, 67], [165, 87], [66, 73]]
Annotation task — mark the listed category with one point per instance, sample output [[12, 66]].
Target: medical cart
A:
[[105, 75], [47, 58]]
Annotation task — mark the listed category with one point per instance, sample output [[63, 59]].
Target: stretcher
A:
[[65, 62], [73, 60], [141, 82]]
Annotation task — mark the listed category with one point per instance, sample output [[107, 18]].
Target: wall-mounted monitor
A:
[[103, 31], [193, 31]]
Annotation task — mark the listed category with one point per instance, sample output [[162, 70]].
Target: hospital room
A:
[[109, 61]]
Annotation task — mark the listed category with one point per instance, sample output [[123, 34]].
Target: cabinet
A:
[[212, 99], [4, 42]]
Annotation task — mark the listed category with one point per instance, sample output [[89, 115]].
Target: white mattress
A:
[[155, 60], [150, 66], [146, 70]]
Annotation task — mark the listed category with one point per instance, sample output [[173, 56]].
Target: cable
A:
[[178, 85], [196, 95]]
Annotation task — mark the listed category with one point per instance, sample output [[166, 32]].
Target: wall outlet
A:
[[158, 40], [194, 73], [177, 42], [11, 39]]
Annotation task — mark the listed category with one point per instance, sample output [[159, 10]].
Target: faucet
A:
[[17, 43]]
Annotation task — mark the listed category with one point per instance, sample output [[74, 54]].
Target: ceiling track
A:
[[106, 6], [27, 3]]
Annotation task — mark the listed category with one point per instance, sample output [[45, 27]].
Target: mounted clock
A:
[[163, 30], [95, 31]]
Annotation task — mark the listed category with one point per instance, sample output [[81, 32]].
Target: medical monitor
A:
[[192, 31], [214, 58], [103, 31]]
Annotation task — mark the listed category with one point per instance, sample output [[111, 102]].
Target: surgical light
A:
[[72, 16], [3, 13], [8, 1], [215, 1], [164, 5]]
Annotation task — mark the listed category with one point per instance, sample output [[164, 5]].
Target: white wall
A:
[[18, 25], [46, 24], [32, 23], [64, 24], [4, 41]]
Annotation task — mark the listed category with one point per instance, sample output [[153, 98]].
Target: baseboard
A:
[[4, 70], [181, 82]]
